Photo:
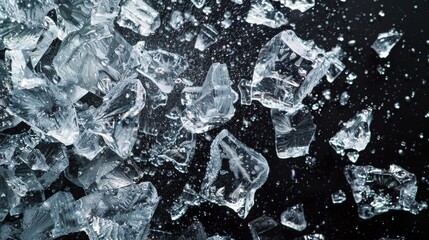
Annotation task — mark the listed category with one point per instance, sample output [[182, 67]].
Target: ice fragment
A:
[[139, 17], [265, 228], [301, 5], [262, 12], [385, 42], [294, 218], [207, 36], [338, 197]]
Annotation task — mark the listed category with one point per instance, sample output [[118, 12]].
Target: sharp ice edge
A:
[[139, 17], [301, 5], [385, 42], [294, 218], [207, 36], [262, 12]]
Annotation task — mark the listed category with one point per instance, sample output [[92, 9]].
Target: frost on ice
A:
[[385, 42]]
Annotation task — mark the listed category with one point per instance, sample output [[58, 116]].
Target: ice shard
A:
[[45, 41], [385, 42], [354, 136], [212, 104], [8, 196], [139, 17], [265, 228], [43, 106], [294, 132], [104, 11], [377, 190], [195, 232], [294, 218], [116, 120], [338, 197], [262, 12], [187, 198], [233, 174], [91, 56], [207, 36], [301, 5], [287, 70], [72, 15], [198, 3]]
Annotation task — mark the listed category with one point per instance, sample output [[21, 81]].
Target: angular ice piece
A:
[[116, 120], [212, 104], [177, 20], [262, 12], [28, 12], [44, 107], [265, 228], [21, 69], [301, 5], [377, 190], [207, 36], [195, 232], [294, 218], [8, 198], [233, 174], [336, 67], [139, 17], [198, 3], [104, 11], [10, 230], [72, 15], [338, 197], [36, 160], [94, 54], [218, 237], [162, 68], [45, 41], [354, 135], [88, 145], [187, 198], [287, 70], [385, 42], [344, 98], [314, 236], [294, 132]]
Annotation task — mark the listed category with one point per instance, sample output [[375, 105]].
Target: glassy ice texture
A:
[[354, 136], [9, 198], [315, 236], [91, 57], [301, 5], [72, 15], [338, 197], [195, 232], [262, 12], [233, 174], [45, 41], [294, 218], [385, 42], [294, 132], [377, 190], [104, 11], [43, 106], [116, 120], [287, 70], [212, 104], [265, 228], [162, 68], [139, 17], [187, 198], [207, 36], [199, 3]]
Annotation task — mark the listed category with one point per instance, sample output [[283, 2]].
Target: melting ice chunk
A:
[[287, 70], [233, 174], [139, 17], [354, 135], [198, 3], [212, 104], [262, 12], [377, 190], [385, 42], [294, 132], [338, 197], [301, 5], [207, 36], [265, 228], [294, 218], [43, 106], [116, 120]]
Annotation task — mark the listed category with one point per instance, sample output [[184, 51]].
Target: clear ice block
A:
[[265, 228], [338, 197], [139, 17], [212, 104], [233, 174], [377, 190], [294, 218], [385, 42], [301, 5], [294, 132], [262, 12], [207, 36]]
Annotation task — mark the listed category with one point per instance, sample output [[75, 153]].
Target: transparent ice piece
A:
[[294, 132], [94, 54], [187, 198], [177, 20], [301, 5], [354, 135], [88, 145], [218, 237], [10, 230], [8, 197], [294, 218], [265, 228], [212, 104], [139, 17], [195, 232], [45, 41], [338, 197], [104, 11], [262, 12], [377, 190], [233, 174], [116, 120], [36, 160], [72, 15], [287, 70], [198, 3], [43, 106], [207, 36], [56, 160], [20, 68], [314, 236], [385, 42]]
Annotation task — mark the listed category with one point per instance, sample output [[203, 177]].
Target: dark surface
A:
[[313, 184]]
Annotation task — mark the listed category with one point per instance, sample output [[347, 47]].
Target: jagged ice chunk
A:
[[262, 12], [294, 218], [301, 5], [385, 42], [139, 17]]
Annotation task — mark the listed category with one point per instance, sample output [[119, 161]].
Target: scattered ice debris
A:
[[301, 5], [338, 197], [294, 218], [354, 136], [385, 42], [377, 190], [262, 12]]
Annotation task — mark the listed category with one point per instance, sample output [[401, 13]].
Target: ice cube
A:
[[354, 135], [301, 5], [139, 17], [265, 228], [294, 218], [262, 12], [233, 174], [212, 104], [338, 197], [294, 132], [385, 42], [207, 36], [377, 190]]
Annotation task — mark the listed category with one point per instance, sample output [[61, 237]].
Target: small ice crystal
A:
[[385, 42], [294, 218]]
